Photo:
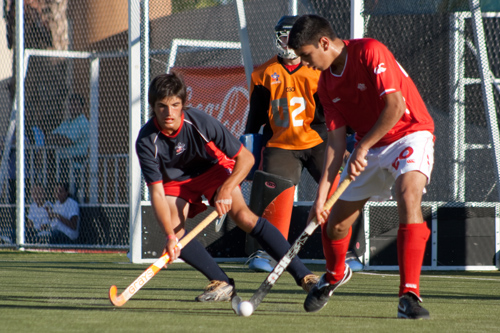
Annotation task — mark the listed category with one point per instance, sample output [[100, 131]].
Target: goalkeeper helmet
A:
[[282, 29]]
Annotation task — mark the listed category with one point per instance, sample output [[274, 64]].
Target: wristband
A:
[[171, 237]]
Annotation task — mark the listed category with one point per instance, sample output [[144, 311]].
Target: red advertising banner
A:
[[220, 92]]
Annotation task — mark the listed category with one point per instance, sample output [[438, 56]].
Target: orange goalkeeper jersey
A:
[[287, 104]]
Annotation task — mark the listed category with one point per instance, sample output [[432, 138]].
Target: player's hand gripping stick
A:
[[148, 274]]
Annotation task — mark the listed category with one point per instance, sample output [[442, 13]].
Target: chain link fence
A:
[[76, 58], [75, 123]]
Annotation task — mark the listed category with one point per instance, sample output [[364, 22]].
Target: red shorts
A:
[[205, 184]]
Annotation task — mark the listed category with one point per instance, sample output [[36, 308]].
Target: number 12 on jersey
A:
[[284, 120]]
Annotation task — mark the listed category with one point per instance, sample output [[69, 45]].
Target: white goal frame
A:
[[139, 61], [434, 235]]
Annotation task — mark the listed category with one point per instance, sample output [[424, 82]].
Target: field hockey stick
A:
[[148, 274], [219, 222], [271, 279]]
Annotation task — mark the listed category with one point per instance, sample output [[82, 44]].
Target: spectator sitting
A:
[[65, 216], [73, 133], [38, 228], [72, 137]]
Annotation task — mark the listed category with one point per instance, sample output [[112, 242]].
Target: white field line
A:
[[244, 267], [434, 276]]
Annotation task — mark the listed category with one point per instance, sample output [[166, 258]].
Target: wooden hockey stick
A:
[[148, 274], [271, 279]]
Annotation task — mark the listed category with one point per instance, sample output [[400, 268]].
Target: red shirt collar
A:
[[173, 135]]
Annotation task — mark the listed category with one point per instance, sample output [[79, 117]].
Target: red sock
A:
[[411, 242], [334, 251]]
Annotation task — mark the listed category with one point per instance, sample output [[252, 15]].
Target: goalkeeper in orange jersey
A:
[[283, 98]]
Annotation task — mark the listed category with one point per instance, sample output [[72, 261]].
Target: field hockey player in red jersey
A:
[[363, 86]]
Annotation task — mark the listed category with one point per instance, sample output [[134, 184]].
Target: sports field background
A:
[[67, 292]]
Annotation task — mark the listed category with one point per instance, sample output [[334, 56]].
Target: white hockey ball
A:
[[245, 309]]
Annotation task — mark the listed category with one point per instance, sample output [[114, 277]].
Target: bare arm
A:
[[162, 214], [72, 222], [334, 157], [223, 199], [393, 111]]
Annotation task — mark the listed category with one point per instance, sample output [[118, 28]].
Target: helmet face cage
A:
[[282, 30], [281, 40]]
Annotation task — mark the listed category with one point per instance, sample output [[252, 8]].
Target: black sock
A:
[[273, 242], [197, 256]]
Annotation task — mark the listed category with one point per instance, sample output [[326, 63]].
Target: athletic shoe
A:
[[217, 291], [309, 281], [409, 308], [323, 290], [260, 261], [353, 261], [355, 265]]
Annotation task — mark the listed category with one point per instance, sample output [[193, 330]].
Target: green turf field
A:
[[65, 292]]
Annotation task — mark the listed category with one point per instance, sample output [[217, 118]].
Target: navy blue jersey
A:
[[191, 151]]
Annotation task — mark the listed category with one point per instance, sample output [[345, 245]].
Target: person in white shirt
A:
[[38, 228], [65, 216]]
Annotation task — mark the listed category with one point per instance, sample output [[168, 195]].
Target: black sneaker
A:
[[322, 291], [409, 308]]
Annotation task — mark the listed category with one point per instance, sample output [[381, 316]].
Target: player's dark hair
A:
[[308, 30], [166, 85], [66, 187]]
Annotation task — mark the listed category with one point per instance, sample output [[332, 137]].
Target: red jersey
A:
[[355, 97], [287, 103]]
